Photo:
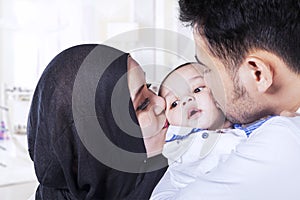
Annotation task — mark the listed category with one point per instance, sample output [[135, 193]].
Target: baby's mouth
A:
[[193, 113]]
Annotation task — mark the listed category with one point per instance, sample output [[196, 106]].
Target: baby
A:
[[192, 151]]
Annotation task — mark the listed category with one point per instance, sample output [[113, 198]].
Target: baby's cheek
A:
[[205, 100], [174, 118]]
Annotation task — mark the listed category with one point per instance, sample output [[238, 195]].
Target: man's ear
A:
[[261, 71]]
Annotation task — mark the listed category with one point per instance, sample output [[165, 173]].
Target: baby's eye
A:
[[174, 104], [198, 89], [143, 105], [206, 71]]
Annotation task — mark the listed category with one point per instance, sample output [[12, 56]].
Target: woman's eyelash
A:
[[143, 105]]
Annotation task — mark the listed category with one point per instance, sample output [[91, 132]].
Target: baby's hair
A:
[[163, 81]]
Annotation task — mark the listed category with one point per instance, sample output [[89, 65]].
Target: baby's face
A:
[[188, 100]]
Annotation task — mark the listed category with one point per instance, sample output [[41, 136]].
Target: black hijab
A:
[[83, 139]]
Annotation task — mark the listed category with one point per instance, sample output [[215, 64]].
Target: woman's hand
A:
[[154, 144]]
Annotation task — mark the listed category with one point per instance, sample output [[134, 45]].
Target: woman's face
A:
[[148, 106]]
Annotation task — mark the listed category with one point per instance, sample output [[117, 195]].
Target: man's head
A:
[[251, 48], [188, 101]]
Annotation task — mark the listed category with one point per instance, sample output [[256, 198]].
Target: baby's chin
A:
[[199, 125], [204, 124], [194, 124]]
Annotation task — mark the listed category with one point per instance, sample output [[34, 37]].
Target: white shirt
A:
[[198, 152], [266, 166]]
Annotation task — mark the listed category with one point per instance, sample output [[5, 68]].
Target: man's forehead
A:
[[203, 56], [199, 69]]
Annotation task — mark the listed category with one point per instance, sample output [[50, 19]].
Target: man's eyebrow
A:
[[199, 62]]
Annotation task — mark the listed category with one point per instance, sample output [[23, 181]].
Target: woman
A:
[[83, 129]]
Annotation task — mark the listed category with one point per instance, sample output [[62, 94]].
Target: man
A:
[[250, 52]]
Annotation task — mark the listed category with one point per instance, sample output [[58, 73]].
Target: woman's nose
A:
[[187, 99], [158, 104]]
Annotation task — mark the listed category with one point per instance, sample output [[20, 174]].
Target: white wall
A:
[[32, 32]]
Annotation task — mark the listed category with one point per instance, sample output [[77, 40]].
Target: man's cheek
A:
[[214, 82]]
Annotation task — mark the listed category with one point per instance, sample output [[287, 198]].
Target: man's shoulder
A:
[[287, 122], [276, 138], [279, 127]]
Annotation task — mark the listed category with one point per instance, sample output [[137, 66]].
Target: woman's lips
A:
[[166, 125]]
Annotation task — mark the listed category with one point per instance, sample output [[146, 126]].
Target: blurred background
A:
[[32, 32]]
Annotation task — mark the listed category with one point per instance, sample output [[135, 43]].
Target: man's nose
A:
[[187, 99]]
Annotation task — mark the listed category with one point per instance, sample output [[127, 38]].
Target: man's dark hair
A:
[[233, 28]]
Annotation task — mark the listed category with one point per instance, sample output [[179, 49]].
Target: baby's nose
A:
[[186, 100]]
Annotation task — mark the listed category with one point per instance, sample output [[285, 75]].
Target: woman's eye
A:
[[143, 105], [174, 104], [198, 89]]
